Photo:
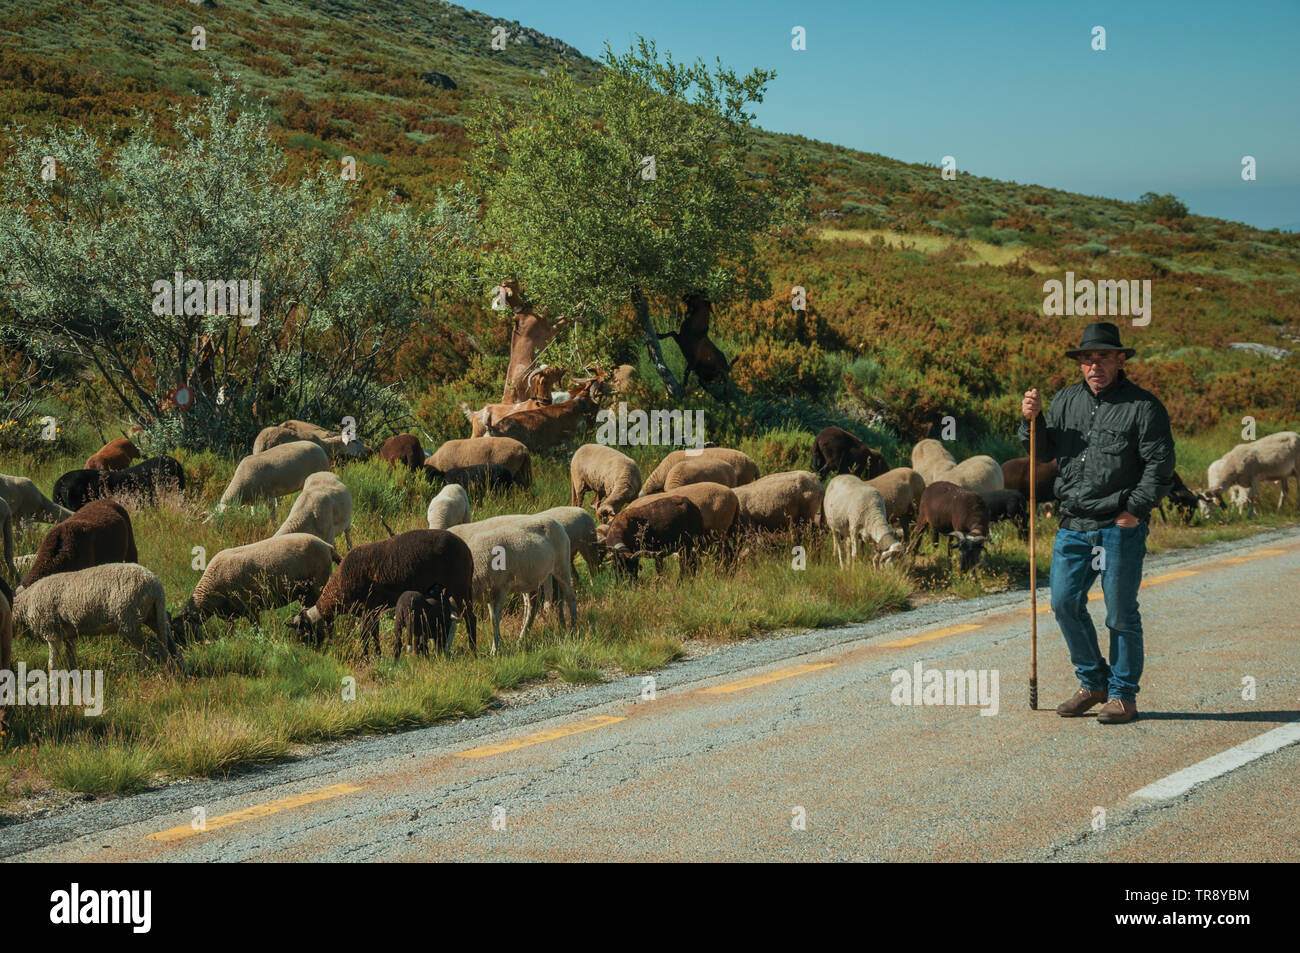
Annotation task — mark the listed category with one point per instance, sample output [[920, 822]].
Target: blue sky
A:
[[1013, 90]]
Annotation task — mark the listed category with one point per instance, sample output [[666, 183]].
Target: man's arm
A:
[[1156, 450]]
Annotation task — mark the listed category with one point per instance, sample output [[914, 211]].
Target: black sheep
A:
[[1009, 505], [98, 533], [427, 616], [146, 480], [480, 476]]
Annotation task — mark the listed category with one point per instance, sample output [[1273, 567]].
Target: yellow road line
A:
[[1179, 574], [729, 687], [256, 811], [1262, 552], [931, 636], [537, 738]]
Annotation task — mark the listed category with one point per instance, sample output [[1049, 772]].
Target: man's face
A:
[[1100, 367]]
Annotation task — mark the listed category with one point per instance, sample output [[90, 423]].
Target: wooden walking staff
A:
[[1033, 564]]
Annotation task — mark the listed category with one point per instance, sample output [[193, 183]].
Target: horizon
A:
[[1183, 132]]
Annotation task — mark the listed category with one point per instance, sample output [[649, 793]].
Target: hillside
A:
[[925, 296]]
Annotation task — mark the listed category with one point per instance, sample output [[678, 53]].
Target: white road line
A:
[[1180, 782]]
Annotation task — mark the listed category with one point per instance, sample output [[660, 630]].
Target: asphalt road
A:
[[792, 749]]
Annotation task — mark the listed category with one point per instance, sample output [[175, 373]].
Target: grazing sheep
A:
[[324, 509], [476, 478], [1015, 476], [1275, 457], [274, 436], [959, 514], [901, 488], [242, 581], [292, 430], [144, 481], [98, 533], [1009, 505], [611, 475], [449, 508], [518, 554], [745, 468], [666, 524], [273, 473], [980, 473], [404, 449], [118, 597], [372, 578], [1185, 501], [426, 616], [700, 470], [482, 451], [114, 455], [779, 501], [835, 451], [718, 506], [26, 502], [7, 529], [856, 511], [581, 529]]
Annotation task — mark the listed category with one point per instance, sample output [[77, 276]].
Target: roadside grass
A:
[[256, 695]]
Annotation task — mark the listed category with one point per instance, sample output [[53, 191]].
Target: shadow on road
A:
[[1278, 716]]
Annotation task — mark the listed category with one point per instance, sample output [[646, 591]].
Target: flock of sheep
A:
[[84, 579]]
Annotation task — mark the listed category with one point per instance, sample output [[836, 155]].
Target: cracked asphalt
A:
[[810, 765]]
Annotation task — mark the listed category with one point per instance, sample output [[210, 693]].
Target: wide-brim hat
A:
[[1100, 336]]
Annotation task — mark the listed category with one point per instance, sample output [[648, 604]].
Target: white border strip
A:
[[1180, 782]]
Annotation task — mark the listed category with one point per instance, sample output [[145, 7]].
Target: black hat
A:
[[1100, 336]]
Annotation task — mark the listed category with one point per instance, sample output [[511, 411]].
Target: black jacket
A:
[[1114, 449]]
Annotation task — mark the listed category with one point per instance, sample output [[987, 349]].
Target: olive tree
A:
[[635, 190]]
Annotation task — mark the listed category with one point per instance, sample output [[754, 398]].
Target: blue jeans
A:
[[1073, 572]]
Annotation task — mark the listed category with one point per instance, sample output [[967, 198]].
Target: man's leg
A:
[[1126, 549], [1072, 576]]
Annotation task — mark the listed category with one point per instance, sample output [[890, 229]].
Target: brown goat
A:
[[701, 354], [98, 533], [114, 455], [530, 334], [546, 427]]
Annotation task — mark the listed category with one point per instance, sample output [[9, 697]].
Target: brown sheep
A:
[[959, 514], [901, 489], [611, 475], [1015, 476], [670, 523], [98, 533], [718, 506], [835, 451], [114, 455], [404, 449], [745, 468], [484, 451]]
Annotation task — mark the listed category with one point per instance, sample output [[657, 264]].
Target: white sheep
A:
[[243, 580], [27, 502], [611, 475], [581, 529], [745, 468], [518, 554], [901, 489], [324, 509], [779, 501], [115, 597], [1275, 457], [273, 473], [857, 511], [979, 474], [449, 508]]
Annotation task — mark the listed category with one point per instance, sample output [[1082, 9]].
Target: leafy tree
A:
[[1153, 206], [637, 189], [339, 286]]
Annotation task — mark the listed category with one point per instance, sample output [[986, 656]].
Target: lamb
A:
[[959, 514], [373, 577], [425, 616], [145, 481], [114, 455], [611, 475], [1009, 505], [518, 554], [581, 530], [745, 468], [404, 449], [449, 508], [242, 581], [324, 509], [98, 533], [668, 523], [835, 451], [7, 529], [26, 502], [857, 511], [1275, 457], [117, 597], [718, 507], [482, 451], [901, 489], [273, 473], [700, 470], [931, 459], [779, 501]]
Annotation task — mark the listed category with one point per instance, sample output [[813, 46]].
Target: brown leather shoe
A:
[[1081, 701], [1116, 712]]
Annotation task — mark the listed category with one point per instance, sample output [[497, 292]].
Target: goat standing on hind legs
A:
[[701, 354]]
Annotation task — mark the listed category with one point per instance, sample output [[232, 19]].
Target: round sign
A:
[[183, 397]]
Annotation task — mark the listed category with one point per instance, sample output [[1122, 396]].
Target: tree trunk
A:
[[652, 343]]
